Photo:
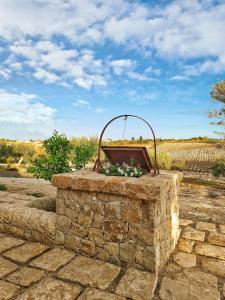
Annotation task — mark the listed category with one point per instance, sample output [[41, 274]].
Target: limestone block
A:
[[87, 247], [185, 245], [113, 210], [193, 234], [214, 266], [185, 260], [96, 236], [6, 267], [210, 250], [206, 226], [185, 222], [90, 272], [94, 294], [26, 276], [8, 290], [112, 248], [9, 242], [217, 239], [127, 252], [141, 233], [137, 285], [114, 230], [131, 211]]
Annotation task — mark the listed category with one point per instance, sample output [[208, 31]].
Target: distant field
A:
[[198, 157]]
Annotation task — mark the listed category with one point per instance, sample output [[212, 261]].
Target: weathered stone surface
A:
[[145, 187], [87, 247], [224, 289], [52, 259], [193, 234], [185, 245], [112, 248], [222, 229], [9, 242], [214, 266], [217, 239], [7, 290], [137, 285], [94, 294], [113, 210], [90, 272], [51, 289], [113, 230], [141, 233], [210, 250], [132, 211], [26, 276], [96, 236], [6, 267], [185, 222], [206, 226], [172, 268], [25, 252], [127, 252], [185, 260], [190, 284]]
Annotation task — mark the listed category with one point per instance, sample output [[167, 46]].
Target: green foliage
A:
[[218, 94], [56, 158], [219, 169], [11, 151], [2, 187], [84, 150], [82, 155], [164, 159]]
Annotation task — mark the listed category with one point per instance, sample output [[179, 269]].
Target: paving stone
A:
[[185, 245], [26, 276], [217, 239], [7, 290], [94, 294], [185, 260], [8, 242], [193, 234], [214, 266], [137, 285], [51, 289], [185, 222], [224, 289], [206, 226], [87, 271], [210, 250], [52, 259], [6, 267], [190, 284], [25, 252]]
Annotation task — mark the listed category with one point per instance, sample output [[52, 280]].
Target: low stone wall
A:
[[30, 223], [118, 219]]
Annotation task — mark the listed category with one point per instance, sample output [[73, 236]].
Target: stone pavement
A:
[[196, 270]]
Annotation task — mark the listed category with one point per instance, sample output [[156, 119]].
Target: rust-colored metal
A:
[[124, 154], [98, 162]]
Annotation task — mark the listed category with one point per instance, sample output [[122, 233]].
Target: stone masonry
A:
[[121, 220]]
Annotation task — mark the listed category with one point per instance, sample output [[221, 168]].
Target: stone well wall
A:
[[118, 219]]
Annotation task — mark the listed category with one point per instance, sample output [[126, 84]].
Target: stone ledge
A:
[[146, 187]]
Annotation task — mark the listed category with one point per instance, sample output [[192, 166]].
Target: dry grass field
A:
[[198, 157]]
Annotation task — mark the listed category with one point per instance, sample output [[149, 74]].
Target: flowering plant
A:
[[130, 170]]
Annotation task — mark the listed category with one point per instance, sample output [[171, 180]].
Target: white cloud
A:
[[122, 65], [99, 110], [5, 73], [82, 103], [179, 78], [45, 76], [24, 109], [137, 76]]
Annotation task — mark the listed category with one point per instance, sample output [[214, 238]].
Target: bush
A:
[[2, 187], [219, 169], [82, 155], [164, 159], [56, 158]]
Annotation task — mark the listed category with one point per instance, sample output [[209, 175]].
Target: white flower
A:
[[126, 174], [107, 171], [131, 174]]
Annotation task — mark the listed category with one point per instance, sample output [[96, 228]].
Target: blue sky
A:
[[72, 65]]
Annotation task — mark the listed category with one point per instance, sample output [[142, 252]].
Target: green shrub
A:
[[2, 187], [82, 155], [164, 160], [219, 169], [56, 158]]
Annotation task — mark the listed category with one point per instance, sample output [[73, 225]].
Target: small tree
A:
[[56, 158], [218, 94]]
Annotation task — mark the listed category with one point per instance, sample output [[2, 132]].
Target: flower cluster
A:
[[122, 170]]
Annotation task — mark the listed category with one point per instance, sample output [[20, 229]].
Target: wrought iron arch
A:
[[98, 160]]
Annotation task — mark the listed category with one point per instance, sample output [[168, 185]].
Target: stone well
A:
[[122, 220]]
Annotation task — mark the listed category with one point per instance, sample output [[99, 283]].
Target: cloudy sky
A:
[[71, 65]]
